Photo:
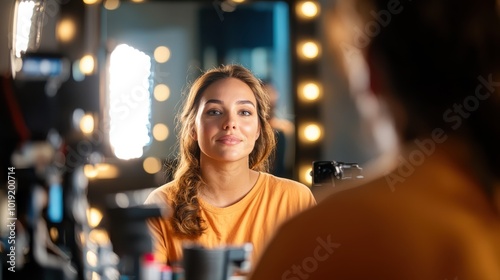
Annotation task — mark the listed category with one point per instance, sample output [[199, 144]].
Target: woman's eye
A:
[[214, 112], [245, 112]]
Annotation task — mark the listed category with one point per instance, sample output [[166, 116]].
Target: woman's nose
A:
[[229, 123]]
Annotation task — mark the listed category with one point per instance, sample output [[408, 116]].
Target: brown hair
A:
[[186, 220]]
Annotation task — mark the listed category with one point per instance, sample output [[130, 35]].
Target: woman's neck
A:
[[225, 185]]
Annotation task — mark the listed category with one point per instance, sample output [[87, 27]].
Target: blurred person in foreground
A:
[[434, 210], [221, 194]]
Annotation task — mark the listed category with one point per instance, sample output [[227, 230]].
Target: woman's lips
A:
[[229, 139]]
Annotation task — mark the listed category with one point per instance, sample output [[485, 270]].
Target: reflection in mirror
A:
[[154, 50]]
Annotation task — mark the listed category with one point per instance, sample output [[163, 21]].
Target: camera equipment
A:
[[130, 236], [215, 263], [327, 172]]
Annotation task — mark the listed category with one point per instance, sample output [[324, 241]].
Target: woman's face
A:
[[227, 124]]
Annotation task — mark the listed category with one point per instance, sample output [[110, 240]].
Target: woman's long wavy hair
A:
[[186, 220]]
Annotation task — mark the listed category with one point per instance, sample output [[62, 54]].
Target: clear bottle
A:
[[150, 269]]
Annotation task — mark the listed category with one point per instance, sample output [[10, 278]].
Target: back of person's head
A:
[[441, 61]]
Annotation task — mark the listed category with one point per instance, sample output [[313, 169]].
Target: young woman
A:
[[221, 194]]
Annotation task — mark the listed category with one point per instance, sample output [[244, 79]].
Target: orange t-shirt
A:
[[253, 219]]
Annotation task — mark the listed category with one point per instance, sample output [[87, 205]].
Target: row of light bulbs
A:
[[308, 91], [310, 132]]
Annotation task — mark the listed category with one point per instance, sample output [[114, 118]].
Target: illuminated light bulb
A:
[[312, 132], [87, 64], [107, 171], [90, 171], [307, 9], [66, 30], [162, 54], [160, 132], [111, 4], [90, 2], [87, 124], [94, 217], [309, 91], [309, 50], [161, 92], [91, 258], [151, 165], [100, 171]]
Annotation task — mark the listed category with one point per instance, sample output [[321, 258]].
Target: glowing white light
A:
[[309, 91], [162, 54], [122, 200], [94, 216], [160, 132], [161, 92], [311, 132], [66, 30], [111, 4], [129, 101], [91, 258], [87, 64], [87, 124], [309, 50], [151, 165], [23, 26], [308, 9]]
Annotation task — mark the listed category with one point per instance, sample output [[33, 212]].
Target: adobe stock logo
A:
[[310, 264]]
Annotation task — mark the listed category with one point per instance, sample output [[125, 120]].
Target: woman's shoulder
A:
[[162, 194], [283, 184]]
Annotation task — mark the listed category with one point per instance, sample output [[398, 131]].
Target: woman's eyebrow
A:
[[245, 102], [216, 101], [240, 102]]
